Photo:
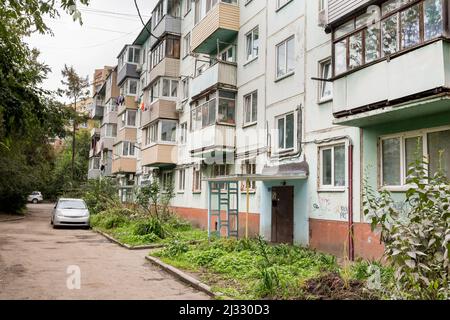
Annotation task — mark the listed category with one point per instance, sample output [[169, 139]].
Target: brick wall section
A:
[[199, 218], [332, 237]]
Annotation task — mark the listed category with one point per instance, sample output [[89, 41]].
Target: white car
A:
[[70, 213], [35, 197]]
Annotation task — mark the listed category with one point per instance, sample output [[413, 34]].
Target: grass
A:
[[145, 231], [253, 269]]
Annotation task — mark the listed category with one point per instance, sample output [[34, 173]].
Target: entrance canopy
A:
[[290, 171]]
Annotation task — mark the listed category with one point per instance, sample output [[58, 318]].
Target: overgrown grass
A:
[[137, 230], [253, 269]]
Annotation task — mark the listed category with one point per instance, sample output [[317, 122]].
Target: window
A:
[[158, 13], [169, 88], [127, 148], [285, 58], [186, 45], [249, 168], [219, 170], [181, 180], [134, 55], [204, 115], [404, 24], [323, 5], [128, 118], [325, 87], [109, 130], [151, 134], [252, 39], [251, 108], [228, 54], [185, 88], [168, 131], [129, 87], [197, 180], [167, 180], [399, 153], [154, 94], [183, 133], [332, 166], [285, 128], [169, 47]]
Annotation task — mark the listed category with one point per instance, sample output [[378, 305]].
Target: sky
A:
[[107, 26]]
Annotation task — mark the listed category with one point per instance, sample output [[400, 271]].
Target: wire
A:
[[142, 20], [112, 12], [85, 26]]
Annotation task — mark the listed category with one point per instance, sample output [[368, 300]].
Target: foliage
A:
[[99, 194], [417, 240], [251, 269], [29, 116]]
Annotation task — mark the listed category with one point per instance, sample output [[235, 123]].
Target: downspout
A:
[[351, 248]]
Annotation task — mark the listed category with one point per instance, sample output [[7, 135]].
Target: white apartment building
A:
[[266, 116]]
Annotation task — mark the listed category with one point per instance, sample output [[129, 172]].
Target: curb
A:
[[126, 246], [12, 219], [196, 284]]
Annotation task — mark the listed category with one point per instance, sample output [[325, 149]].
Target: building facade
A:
[[266, 116]]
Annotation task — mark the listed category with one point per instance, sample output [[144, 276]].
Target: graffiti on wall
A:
[[324, 207]]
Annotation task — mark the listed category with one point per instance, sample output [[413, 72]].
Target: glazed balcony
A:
[[221, 74], [168, 24], [160, 155], [220, 23], [160, 109], [128, 70], [213, 141], [124, 165], [168, 67], [393, 89], [96, 110]]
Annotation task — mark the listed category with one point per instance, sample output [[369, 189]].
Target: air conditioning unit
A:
[[323, 18]]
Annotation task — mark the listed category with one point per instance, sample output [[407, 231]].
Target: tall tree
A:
[[76, 89]]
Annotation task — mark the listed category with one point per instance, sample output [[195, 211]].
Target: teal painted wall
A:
[[371, 135], [301, 225]]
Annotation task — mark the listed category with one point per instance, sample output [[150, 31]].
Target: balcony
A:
[[130, 103], [95, 132], [127, 134], [109, 117], [128, 70], [160, 109], [106, 143], [402, 88], [222, 74], [96, 110], [168, 24], [160, 155], [168, 67], [94, 174], [124, 165], [213, 141], [220, 23]]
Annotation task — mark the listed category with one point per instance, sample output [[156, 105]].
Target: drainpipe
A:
[[351, 248]]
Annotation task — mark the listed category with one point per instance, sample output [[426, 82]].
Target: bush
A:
[[100, 194], [151, 226], [417, 241]]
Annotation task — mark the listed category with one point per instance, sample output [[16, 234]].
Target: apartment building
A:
[[266, 116]]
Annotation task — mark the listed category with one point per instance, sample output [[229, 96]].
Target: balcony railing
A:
[[96, 110], [168, 67], [124, 165], [213, 140], [168, 24], [389, 86], [221, 73], [160, 109], [160, 155], [128, 70]]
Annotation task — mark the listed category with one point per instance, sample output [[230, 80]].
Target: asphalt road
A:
[[38, 262]]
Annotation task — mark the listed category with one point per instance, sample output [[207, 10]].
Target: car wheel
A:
[[55, 226], [35, 201]]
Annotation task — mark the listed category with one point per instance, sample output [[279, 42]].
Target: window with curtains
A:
[[399, 152], [404, 24]]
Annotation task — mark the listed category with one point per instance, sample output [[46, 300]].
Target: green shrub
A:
[[152, 225], [206, 257], [174, 249]]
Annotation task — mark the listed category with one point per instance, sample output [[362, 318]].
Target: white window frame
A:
[[187, 45], [251, 34], [181, 180], [249, 108], [284, 116], [286, 51], [244, 169], [331, 187], [321, 84], [196, 180]]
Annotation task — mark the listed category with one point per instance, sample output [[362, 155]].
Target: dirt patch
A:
[[332, 287]]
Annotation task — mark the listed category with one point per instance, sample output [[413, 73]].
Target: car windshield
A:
[[71, 204]]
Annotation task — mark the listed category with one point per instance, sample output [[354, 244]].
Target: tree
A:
[[76, 90], [29, 115]]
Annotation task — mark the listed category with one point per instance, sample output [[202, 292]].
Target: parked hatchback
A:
[[70, 212], [35, 197]]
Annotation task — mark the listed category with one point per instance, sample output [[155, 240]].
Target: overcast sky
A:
[[107, 26]]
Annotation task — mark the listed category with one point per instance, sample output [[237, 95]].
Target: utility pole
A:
[[74, 134]]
